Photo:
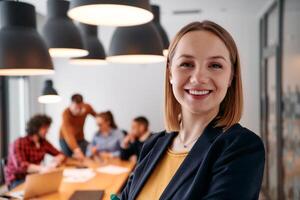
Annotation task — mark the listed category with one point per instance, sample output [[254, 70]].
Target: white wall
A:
[[131, 90], [18, 112]]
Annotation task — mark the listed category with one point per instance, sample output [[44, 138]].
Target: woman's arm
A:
[[92, 147], [237, 173]]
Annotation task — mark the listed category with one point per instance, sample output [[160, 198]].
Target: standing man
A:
[[72, 140]]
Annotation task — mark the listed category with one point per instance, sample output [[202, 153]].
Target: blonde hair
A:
[[232, 105]]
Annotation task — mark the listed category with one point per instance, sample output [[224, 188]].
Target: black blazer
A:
[[220, 166]]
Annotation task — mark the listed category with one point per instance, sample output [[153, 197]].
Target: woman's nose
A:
[[199, 75]]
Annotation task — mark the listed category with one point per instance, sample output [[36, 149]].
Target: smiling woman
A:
[[204, 152]]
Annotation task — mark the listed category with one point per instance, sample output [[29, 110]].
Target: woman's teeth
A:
[[198, 92]]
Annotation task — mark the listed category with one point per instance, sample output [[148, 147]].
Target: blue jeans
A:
[[15, 183], [66, 149]]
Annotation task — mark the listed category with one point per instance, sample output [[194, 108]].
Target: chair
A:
[[3, 187], [2, 173]]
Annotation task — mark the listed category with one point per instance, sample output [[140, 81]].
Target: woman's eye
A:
[[216, 66], [185, 64]]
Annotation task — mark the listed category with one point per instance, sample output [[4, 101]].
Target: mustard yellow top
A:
[[162, 175]]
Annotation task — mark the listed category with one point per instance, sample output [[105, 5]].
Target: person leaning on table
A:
[[204, 152], [27, 153], [71, 134]]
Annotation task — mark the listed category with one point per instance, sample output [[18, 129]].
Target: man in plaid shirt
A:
[[26, 153]]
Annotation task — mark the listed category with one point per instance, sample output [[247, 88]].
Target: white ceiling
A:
[[228, 6], [244, 7]]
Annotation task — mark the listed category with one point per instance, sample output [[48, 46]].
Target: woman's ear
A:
[[170, 74]]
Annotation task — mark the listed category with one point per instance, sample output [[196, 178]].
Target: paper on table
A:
[[112, 169], [78, 175], [17, 195]]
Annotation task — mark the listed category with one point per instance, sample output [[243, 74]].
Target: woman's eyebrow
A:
[[185, 56], [209, 58], [217, 57]]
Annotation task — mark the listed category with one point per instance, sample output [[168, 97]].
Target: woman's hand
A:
[[94, 150]]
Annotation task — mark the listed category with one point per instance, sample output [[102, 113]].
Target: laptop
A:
[[40, 184]]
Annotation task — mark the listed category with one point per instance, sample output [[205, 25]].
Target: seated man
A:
[[132, 144], [106, 142], [26, 153]]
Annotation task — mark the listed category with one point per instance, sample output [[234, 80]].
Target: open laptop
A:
[[40, 184]]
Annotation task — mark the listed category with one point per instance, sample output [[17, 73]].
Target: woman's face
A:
[[201, 72], [102, 124]]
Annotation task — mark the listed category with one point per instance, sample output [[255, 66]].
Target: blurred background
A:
[[267, 35]]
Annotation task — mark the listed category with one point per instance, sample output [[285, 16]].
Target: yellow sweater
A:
[[162, 175]]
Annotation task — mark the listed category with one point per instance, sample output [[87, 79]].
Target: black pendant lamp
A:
[[49, 94], [162, 32], [111, 12], [60, 33], [96, 56], [136, 44], [22, 50]]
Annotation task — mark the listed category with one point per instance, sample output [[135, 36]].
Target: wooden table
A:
[[107, 182]]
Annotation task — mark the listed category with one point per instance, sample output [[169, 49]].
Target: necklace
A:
[[186, 145]]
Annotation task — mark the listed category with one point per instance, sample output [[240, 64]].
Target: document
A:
[[78, 175], [112, 169]]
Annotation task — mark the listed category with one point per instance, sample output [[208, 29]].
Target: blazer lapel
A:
[[157, 151], [191, 162]]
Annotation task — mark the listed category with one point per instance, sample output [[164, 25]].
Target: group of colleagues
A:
[[27, 153]]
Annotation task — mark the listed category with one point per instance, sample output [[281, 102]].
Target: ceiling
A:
[[253, 7]]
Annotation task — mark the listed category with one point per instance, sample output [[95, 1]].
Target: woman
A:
[[204, 153], [106, 142]]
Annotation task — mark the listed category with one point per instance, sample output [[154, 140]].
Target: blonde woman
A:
[[204, 153]]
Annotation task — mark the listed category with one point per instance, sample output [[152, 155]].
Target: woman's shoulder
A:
[[118, 133], [238, 136], [238, 131]]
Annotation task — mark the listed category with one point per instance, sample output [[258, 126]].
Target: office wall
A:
[[291, 100], [131, 90]]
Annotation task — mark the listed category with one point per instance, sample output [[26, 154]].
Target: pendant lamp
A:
[[96, 56], [111, 12], [60, 33], [162, 32], [49, 94], [22, 50], [136, 44]]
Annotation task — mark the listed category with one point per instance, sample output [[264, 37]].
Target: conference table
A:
[[110, 183]]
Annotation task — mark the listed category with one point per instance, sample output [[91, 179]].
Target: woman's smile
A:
[[198, 93]]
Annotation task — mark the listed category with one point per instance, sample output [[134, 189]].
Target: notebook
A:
[[87, 194]]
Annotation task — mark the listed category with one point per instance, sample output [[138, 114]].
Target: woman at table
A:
[[204, 152], [26, 153], [106, 142]]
